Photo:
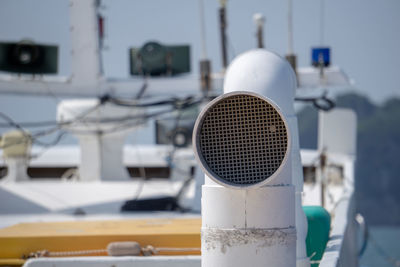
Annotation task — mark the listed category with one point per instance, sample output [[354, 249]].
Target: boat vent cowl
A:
[[241, 139]]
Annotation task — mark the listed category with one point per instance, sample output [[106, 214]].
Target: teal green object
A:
[[155, 59], [319, 224]]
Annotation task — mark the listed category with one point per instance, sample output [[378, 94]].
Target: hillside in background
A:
[[378, 160]]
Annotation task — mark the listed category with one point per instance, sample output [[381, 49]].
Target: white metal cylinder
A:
[[270, 75], [248, 247], [263, 72], [254, 226], [268, 207]]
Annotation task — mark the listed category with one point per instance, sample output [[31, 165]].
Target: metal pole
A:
[[222, 23], [290, 27], [259, 21], [260, 43], [202, 30]]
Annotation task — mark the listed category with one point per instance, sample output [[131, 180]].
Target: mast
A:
[[205, 64], [290, 56], [223, 25], [86, 70], [259, 20]]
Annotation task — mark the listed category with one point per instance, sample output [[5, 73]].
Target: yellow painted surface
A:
[[11, 262], [22, 239]]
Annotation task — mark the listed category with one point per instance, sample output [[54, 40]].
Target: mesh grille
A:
[[243, 139]]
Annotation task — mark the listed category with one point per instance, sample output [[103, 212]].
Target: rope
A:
[[150, 250], [389, 259], [76, 253], [146, 251], [46, 253], [322, 102]]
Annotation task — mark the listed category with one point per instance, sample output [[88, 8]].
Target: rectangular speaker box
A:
[[177, 133], [170, 60], [28, 58]]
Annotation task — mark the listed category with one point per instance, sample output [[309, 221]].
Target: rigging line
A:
[[31, 124], [172, 153], [54, 142], [142, 175], [321, 102], [38, 124], [381, 251], [142, 89], [34, 137], [56, 99], [76, 119], [44, 123], [11, 122], [322, 21], [18, 127], [34, 140], [155, 114], [231, 47], [290, 27], [129, 103], [170, 160], [49, 145], [124, 126], [202, 29]]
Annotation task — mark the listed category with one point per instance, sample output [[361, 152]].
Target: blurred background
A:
[[364, 40]]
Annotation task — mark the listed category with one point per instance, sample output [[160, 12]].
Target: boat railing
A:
[[342, 241]]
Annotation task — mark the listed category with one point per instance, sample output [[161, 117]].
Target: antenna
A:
[[202, 30], [322, 21], [205, 64], [259, 20], [290, 27], [222, 23], [290, 56]]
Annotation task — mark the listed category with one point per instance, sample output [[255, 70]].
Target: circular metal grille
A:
[[242, 139]]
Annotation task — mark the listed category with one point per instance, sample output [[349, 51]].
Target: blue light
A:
[[321, 55]]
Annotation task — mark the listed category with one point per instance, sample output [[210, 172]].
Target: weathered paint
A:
[[225, 238]]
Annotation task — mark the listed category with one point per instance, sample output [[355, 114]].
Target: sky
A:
[[363, 36]]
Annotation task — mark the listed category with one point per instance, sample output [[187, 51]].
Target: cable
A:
[[34, 137], [31, 124], [134, 103], [178, 105], [142, 89], [189, 101], [231, 47], [11, 122], [47, 146], [137, 120], [381, 251], [321, 102]]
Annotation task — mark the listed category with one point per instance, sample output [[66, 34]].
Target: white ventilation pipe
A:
[[268, 74], [249, 218]]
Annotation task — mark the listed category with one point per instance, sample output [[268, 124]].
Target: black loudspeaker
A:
[[28, 58], [177, 129], [169, 132], [155, 59]]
